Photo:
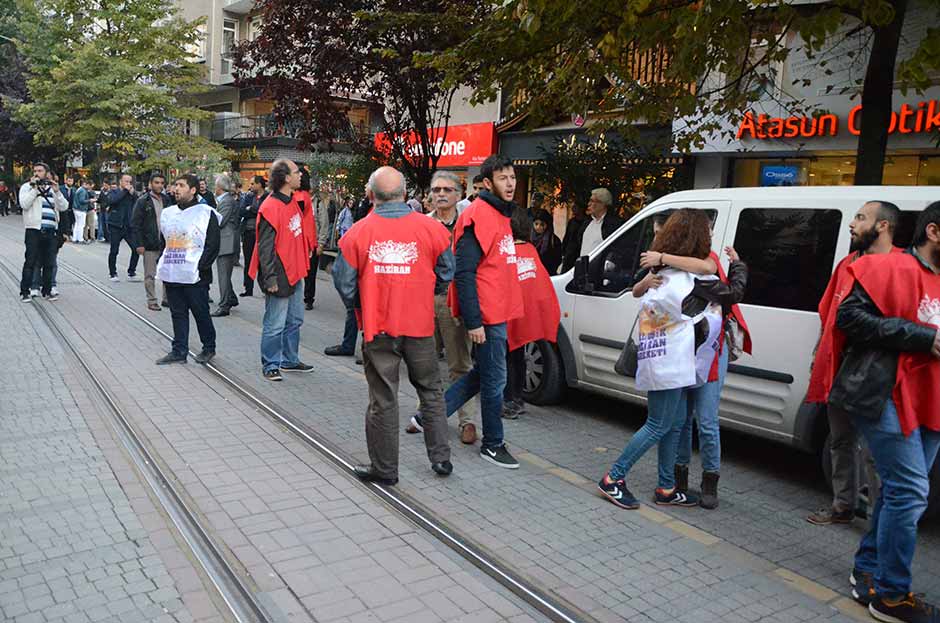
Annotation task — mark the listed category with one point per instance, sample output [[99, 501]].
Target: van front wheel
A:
[[544, 374]]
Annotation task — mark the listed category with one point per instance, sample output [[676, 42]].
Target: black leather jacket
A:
[[709, 291], [868, 372]]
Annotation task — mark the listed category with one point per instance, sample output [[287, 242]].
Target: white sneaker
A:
[[115, 279], [54, 291], [34, 292], [134, 278]]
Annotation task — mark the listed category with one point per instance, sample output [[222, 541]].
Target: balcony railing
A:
[[242, 127]]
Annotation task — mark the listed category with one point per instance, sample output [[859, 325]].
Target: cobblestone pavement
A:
[[753, 559], [79, 538]]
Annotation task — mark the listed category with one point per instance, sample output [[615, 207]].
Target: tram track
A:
[[538, 597], [234, 592]]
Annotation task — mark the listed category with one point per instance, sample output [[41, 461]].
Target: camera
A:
[[42, 184]]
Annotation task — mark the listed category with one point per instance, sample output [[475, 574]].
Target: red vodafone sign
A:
[[463, 146]]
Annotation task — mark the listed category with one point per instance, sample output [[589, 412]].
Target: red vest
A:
[[831, 342], [497, 282], [541, 311], [901, 288], [305, 201], [289, 242], [395, 259]]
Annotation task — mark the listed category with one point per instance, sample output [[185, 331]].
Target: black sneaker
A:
[[297, 367], [205, 356], [863, 586], [25, 298], [616, 491], [499, 456], [273, 375], [909, 609], [444, 468], [510, 411], [676, 498], [171, 358], [338, 351]]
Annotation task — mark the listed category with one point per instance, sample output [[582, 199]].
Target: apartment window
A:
[[229, 37], [254, 28]]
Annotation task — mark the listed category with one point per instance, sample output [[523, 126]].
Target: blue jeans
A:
[[487, 378], [350, 331], [280, 329], [102, 225], [903, 464], [703, 407], [666, 414]]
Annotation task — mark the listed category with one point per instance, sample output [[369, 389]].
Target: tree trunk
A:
[[877, 96]]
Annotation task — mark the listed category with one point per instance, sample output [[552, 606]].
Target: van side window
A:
[[904, 232], [790, 253]]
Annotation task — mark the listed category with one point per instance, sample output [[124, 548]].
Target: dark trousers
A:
[[4, 207], [119, 234], [515, 375], [350, 331], [42, 247], [310, 281], [183, 300], [382, 359], [248, 248]]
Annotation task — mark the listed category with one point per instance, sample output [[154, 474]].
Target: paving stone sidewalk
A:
[[543, 519], [79, 538], [314, 543]]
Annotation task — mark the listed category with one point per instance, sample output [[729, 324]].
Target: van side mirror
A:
[[581, 281]]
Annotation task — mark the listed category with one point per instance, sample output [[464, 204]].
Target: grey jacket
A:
[[322, 216], [230, 224]]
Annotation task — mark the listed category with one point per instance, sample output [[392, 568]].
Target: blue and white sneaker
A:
[[616, 491], [676, 498]]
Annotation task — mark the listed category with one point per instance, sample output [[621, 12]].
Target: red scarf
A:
[[737, 314], [902, 288], [289, 242], [831, 341], [540, 304]]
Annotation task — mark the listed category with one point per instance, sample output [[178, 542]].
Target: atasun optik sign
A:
[[923, 117]]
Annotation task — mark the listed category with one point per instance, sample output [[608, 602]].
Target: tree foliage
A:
[[654, 61], [113, 74], [318, 58]]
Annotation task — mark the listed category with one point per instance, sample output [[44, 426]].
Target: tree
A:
[[657, 60], [576, 167], [16, 141], [318, 58], [114, 75]]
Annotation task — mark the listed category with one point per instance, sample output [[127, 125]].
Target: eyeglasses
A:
[[443, 189]]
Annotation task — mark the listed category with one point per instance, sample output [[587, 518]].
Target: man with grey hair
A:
[[445, 191], [391, 265], [601, 223], [228, 244]]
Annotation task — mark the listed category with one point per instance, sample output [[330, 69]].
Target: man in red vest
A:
[[889, 384], [390, 265], [872, 232], [279, 263], [486, 294]]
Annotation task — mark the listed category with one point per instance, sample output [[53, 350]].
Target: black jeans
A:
[[248, 248], [310, 281], [515, 375], [119, 234], [4, 207], [41, 247], [184, 299]]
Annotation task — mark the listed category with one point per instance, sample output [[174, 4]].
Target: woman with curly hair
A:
[[680, 322]]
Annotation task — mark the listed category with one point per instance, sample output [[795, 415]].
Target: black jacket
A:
[[270, 269], [121, 205], [572, 243], [144, 222], [715, 291], [249, 213], [868, 371]]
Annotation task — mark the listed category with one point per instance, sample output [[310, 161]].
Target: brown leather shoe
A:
[[469, 434]]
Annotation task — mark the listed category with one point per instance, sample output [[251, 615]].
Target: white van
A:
[[791, 239]]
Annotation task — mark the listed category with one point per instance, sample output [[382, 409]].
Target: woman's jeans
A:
[[904, 464], [703, 407], [666, 416]]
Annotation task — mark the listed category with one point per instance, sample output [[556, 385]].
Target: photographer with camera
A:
[[121, 202], [41, 201]]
